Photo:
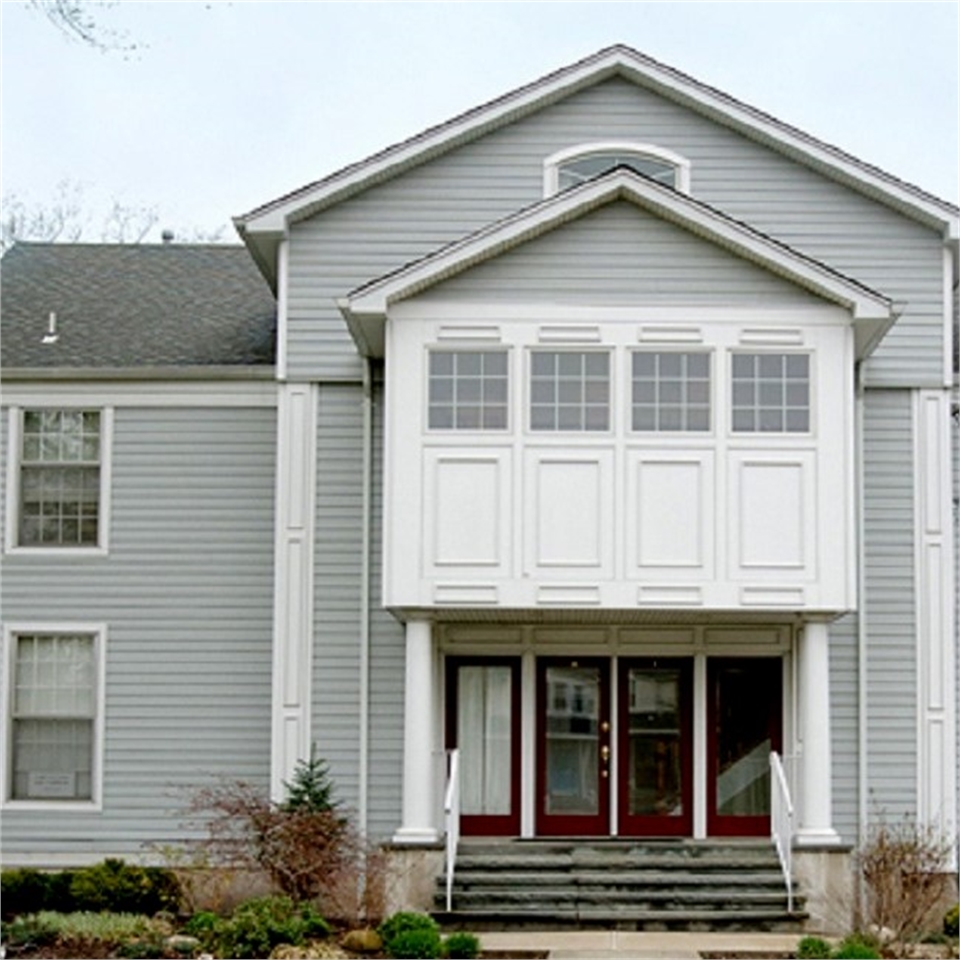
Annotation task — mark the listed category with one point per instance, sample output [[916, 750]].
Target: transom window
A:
[[60, 478], [569, 390], [671, 391], [468, 390], [575, 165], [586, 168], [53, 716], [771, 393]]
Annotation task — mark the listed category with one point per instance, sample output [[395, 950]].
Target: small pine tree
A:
[[311, 790]]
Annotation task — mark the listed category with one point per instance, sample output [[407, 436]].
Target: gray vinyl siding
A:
[[620, 255], [337, 615], [844, 726], [890, 606], [186, 595], [446, 198]]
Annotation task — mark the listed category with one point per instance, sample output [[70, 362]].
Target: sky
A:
[[220, 107]]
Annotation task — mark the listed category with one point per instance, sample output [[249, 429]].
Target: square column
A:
[[418, 826], [814, 791]]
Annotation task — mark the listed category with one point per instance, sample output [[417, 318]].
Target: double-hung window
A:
[[53, 697], [60, 472]]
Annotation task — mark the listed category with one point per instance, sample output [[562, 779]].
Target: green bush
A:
[[461, 946], [814, 948], [30, 891], [416, 945], [857, 947], [122, 888], [951, 921], [205, 925], [404, 922], [257, 926]]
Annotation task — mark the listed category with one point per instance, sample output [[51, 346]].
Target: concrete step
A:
[[620, 884], [623, 919]]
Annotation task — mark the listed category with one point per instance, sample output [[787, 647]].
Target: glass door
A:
[[744, 719], [483, 711], [655, 747], [573, 737]]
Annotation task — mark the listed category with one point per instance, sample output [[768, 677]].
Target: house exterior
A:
[[609, 435]]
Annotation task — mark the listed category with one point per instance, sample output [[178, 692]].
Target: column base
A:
[[817, 838], [416, 837]]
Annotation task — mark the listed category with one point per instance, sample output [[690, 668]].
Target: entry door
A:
[[483, 722], [744, 719], [573, 747], [655, 747]]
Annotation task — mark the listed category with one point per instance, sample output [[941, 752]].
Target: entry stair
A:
[[619, 884]]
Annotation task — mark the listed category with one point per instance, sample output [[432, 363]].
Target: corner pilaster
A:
[[293, 580]]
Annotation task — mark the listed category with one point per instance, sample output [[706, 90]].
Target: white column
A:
[[815, 793], [418, 738], [700, 752]]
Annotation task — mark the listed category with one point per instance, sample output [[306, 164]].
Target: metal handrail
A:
[[451, 812], [781, 822]]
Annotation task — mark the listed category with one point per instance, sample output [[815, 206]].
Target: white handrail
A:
[[451, 812], [781, 822]]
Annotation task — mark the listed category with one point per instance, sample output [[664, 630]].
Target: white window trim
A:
[[552, 164], [10, 632], [453, 347], [811, 432], [14, 450]]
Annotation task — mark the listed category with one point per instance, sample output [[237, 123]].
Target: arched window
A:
[[574, 165]]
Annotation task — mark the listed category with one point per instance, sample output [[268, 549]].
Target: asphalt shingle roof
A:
[[170, 305]]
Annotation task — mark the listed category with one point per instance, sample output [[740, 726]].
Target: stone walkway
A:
[[609, 944]]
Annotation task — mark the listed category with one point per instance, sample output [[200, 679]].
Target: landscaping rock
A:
[[363, 941], [181, 943]]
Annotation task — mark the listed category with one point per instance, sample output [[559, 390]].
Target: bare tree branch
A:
[[78, 20]]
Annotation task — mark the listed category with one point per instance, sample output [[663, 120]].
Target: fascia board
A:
[[375, 298], [276, 215]]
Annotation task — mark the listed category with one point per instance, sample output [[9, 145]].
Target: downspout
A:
[[862, 739], [365, 564]]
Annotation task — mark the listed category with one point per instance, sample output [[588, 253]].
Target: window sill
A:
[[47, 552], [52, 806]]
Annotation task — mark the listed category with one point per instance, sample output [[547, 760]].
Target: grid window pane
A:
[[53, 710], [467, 390], [60, 478], [569, 390], [771, 393], [671, 391]]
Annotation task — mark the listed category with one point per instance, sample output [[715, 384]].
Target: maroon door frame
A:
[[477, 825], [574, 825], [651, 825], [767, 682]]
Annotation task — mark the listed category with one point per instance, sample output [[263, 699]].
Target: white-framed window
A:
[[53, 701], [573, 165], [58, 479], [670, 391], [570, 390], [770, 392], [468, 390]]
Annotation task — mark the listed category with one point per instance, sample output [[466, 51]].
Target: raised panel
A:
[[569, 511], [773, 520], [466, 510], [670, 519]]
